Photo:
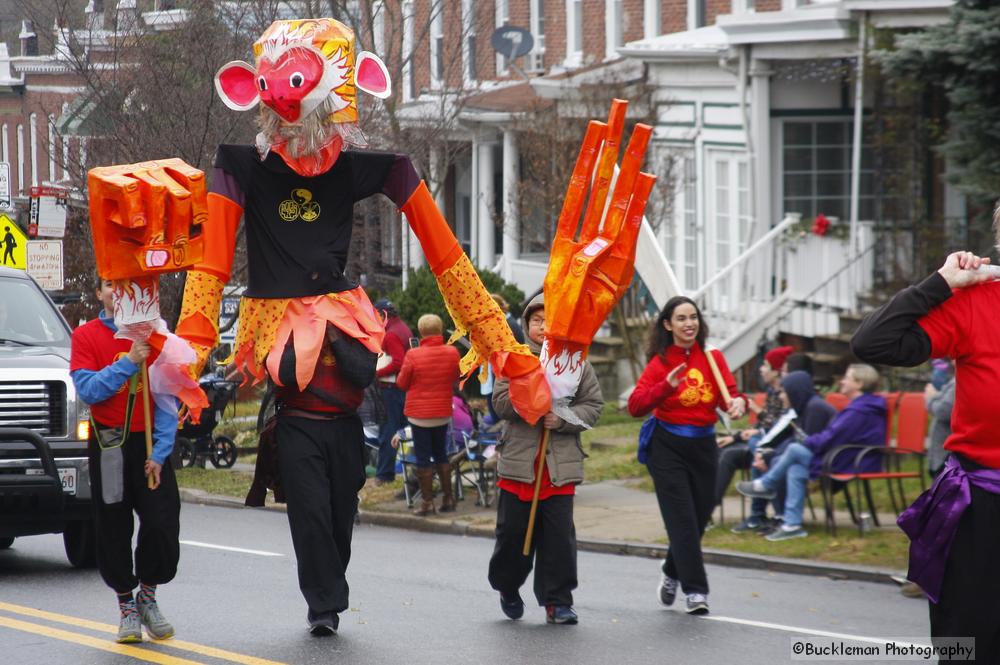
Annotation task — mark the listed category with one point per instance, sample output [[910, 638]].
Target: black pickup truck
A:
[[44, 477]]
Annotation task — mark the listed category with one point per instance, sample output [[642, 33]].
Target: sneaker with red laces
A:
[[561, 614]]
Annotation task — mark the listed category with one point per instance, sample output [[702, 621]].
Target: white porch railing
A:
[[778, 277]]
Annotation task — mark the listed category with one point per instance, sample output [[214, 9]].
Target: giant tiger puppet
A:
[[313, 331]]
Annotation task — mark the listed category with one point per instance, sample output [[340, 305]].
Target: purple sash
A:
[[932, 521]]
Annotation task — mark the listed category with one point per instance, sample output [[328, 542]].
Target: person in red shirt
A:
[[954, 527], [428, 374], [553, 547], [102, 367], [679, 388], [395, 344]]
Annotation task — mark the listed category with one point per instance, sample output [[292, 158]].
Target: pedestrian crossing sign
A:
[[13, 242]]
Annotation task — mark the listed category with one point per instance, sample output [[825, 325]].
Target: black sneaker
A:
[[752, 523], [562, 614], [697, 603], [770, 525], [512, 606], [667, 590], [322, 624]]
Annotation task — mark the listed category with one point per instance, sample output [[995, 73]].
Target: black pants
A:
[[683, 472], [157, 549], [733, 457], [553, 546], [322, 470], [969, 604], [430, 442]]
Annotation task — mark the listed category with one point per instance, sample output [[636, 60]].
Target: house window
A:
[[650, 18], [538, 32], [574, 32], [437, 44], [469, 41], [697, 14], [409, 71], [614, 27], [816, 169]]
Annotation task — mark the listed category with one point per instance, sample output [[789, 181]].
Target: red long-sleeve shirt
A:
[[695, 398]]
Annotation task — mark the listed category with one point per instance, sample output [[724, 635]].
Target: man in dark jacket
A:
[[862, 422]]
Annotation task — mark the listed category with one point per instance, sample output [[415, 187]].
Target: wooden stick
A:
[[726, 397], [146, 418], [542, 447]]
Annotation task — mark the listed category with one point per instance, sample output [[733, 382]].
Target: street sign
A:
[[230, 310], [12, 244], [45, 263], [5, 185], [48, 210]]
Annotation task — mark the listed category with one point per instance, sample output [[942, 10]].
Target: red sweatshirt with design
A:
[[694, 399]]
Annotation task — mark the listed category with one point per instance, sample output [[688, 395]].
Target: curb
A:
[[623, 548]]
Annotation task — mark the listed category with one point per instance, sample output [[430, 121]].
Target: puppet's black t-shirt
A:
[[299, 229]]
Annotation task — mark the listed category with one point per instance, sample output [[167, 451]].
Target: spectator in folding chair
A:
[[862, 422], [738, 450]]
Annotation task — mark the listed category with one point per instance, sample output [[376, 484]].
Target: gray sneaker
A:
[[667, 591], [156, 625], [697, 603], [130, 628], [786, 533]]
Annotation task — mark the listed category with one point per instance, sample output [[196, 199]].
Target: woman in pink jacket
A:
[[428, 374]]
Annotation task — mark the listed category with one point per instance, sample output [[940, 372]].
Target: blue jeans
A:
[[394, 399], [792, 466]]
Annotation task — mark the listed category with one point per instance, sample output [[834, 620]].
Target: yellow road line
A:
[[95, 642], [211, 652]]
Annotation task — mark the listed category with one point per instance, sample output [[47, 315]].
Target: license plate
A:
[[66, 476]]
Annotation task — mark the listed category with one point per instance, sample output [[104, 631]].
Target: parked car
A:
[[44, 476]]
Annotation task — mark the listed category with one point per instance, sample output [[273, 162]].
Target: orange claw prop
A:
[[147, 218], [475, 312], [587, 276]]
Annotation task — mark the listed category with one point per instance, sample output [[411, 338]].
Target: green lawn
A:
[[225, 482], [886, 548]]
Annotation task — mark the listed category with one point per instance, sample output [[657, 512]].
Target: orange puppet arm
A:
[[587, 276], [199, 318], [474, 311]]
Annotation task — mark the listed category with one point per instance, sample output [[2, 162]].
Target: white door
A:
[[728, 217]]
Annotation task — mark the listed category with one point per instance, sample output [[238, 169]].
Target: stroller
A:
[[195, 443]]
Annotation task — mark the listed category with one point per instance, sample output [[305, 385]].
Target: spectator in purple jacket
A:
[[862, 422]]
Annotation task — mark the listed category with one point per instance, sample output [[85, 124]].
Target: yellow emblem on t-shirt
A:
[[299, 206], [695, 389]]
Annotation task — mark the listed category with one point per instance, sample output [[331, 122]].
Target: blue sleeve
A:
[[164, 432], [841, 431], [94, 387]]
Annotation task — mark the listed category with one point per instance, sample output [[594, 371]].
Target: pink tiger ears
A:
[[236, 85], [371, 75], [236, 81]]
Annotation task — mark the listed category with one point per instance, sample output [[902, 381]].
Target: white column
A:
[[20, 159], [33, 128], [511, 199], [760, 129], [486, 256]]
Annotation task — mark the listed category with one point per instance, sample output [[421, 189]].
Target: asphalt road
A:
[[421, 598]]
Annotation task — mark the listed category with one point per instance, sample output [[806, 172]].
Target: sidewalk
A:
[[610, 517]]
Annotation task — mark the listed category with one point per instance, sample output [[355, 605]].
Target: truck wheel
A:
[[80, 541], [5, 543]]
